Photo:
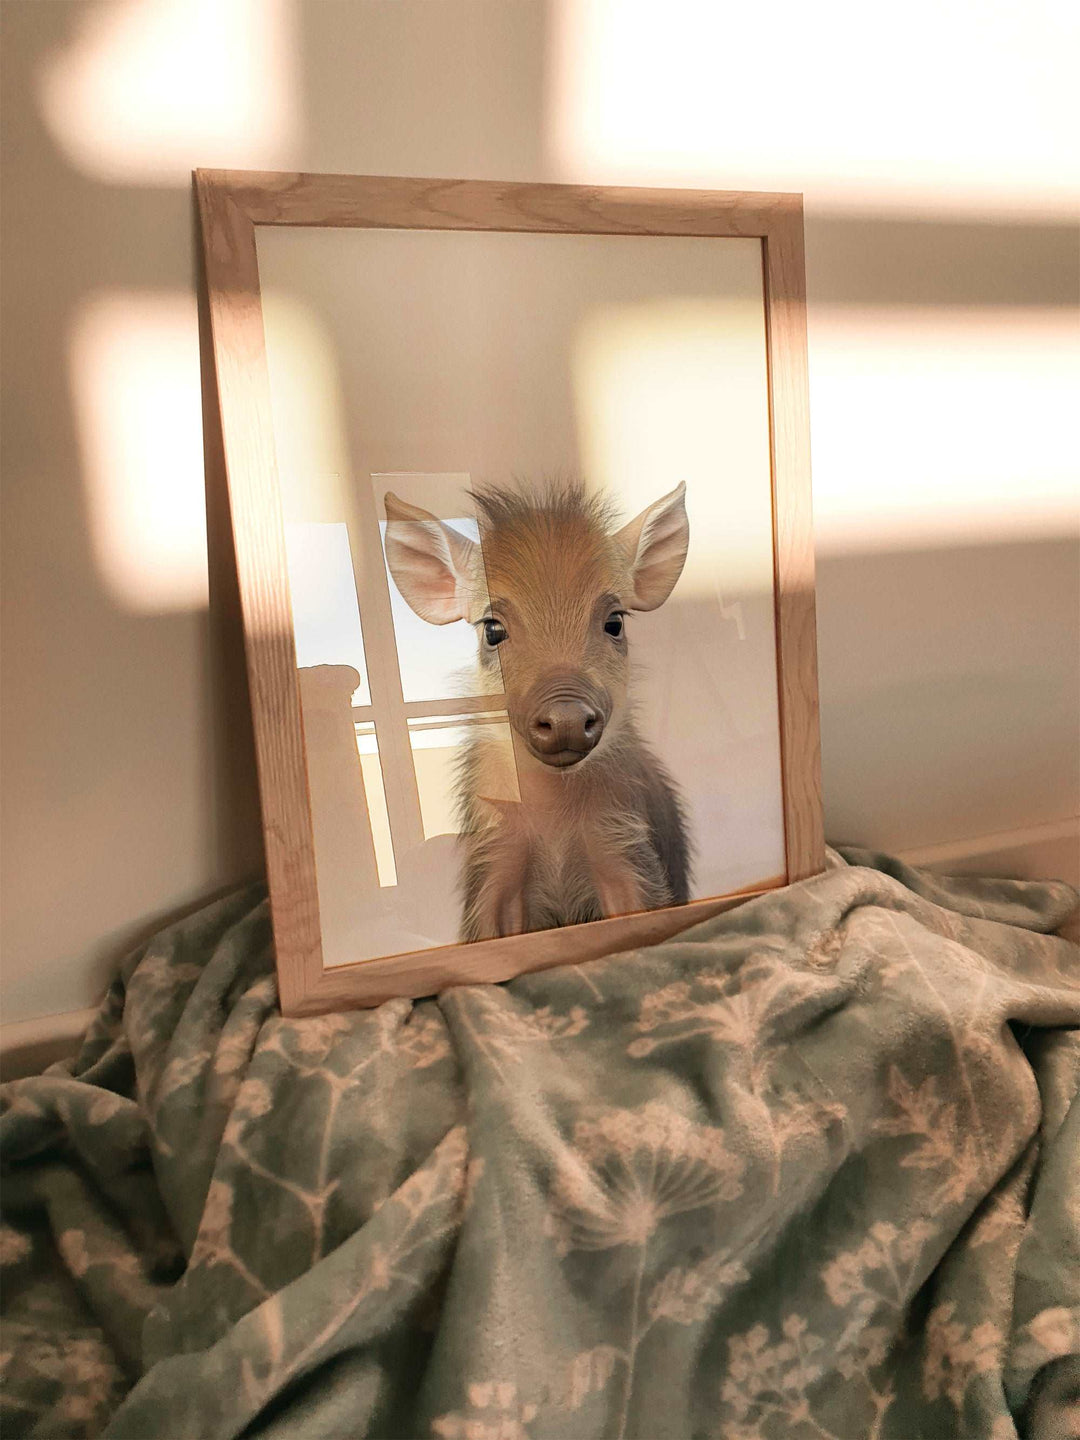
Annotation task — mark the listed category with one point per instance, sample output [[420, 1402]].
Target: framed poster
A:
[[519, 479]]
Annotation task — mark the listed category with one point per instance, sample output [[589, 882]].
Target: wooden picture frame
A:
[[231, 205]]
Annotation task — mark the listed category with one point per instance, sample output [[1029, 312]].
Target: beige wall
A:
[[949, 636]]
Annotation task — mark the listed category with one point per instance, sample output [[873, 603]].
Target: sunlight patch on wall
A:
[[149, 88], [792, 96], [135, 383], [937, 428]]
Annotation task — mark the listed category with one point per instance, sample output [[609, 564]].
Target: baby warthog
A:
[[597, 828]]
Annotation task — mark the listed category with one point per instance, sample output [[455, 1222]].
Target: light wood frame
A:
[[231, 204]]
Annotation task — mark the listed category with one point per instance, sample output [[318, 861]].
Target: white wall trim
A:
[[1038, 852], [28, 1046]]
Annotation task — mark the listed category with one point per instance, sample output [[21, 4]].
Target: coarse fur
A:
[[596, 826], [531, 866]]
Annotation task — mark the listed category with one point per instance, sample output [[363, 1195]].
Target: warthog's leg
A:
[[626, 870], [496, 874], [620, 892], [500, 906]]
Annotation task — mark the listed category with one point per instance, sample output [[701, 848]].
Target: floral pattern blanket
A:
[[810, 1170]]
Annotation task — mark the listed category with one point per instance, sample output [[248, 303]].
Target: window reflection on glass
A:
[[326, 616], [367, 745], [437, 742], [435, 662]]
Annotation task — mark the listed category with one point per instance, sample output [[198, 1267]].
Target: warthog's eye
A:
[[494, 632], [613, 625]]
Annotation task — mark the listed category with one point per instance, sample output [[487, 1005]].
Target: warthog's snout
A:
[[565, 720], [564, 731]]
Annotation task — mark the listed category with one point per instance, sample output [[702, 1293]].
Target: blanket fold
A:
[[810, 1169]]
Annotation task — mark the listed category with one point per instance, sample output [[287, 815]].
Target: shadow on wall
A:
[[129, 778], [129, 782], [950, 680]]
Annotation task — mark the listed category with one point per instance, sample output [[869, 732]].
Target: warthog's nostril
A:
[[564, 731]]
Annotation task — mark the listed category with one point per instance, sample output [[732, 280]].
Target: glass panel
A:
[[398, 365], [437, 742], [326, 616], [437, 662]]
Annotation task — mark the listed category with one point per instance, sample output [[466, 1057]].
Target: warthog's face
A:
[[547, 589]]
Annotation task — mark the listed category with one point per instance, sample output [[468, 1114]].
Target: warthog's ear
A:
[[432, 563], [655, 543]]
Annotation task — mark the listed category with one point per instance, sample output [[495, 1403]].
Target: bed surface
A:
[[810, 1170]]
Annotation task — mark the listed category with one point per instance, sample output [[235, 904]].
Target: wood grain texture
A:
[[793, 544], [243, 388], [395, 202], [231, 203]]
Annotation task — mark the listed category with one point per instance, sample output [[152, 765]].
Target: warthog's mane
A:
[[549, 505]]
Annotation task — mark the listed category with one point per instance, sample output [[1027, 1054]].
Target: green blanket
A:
[[810, 1170]]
